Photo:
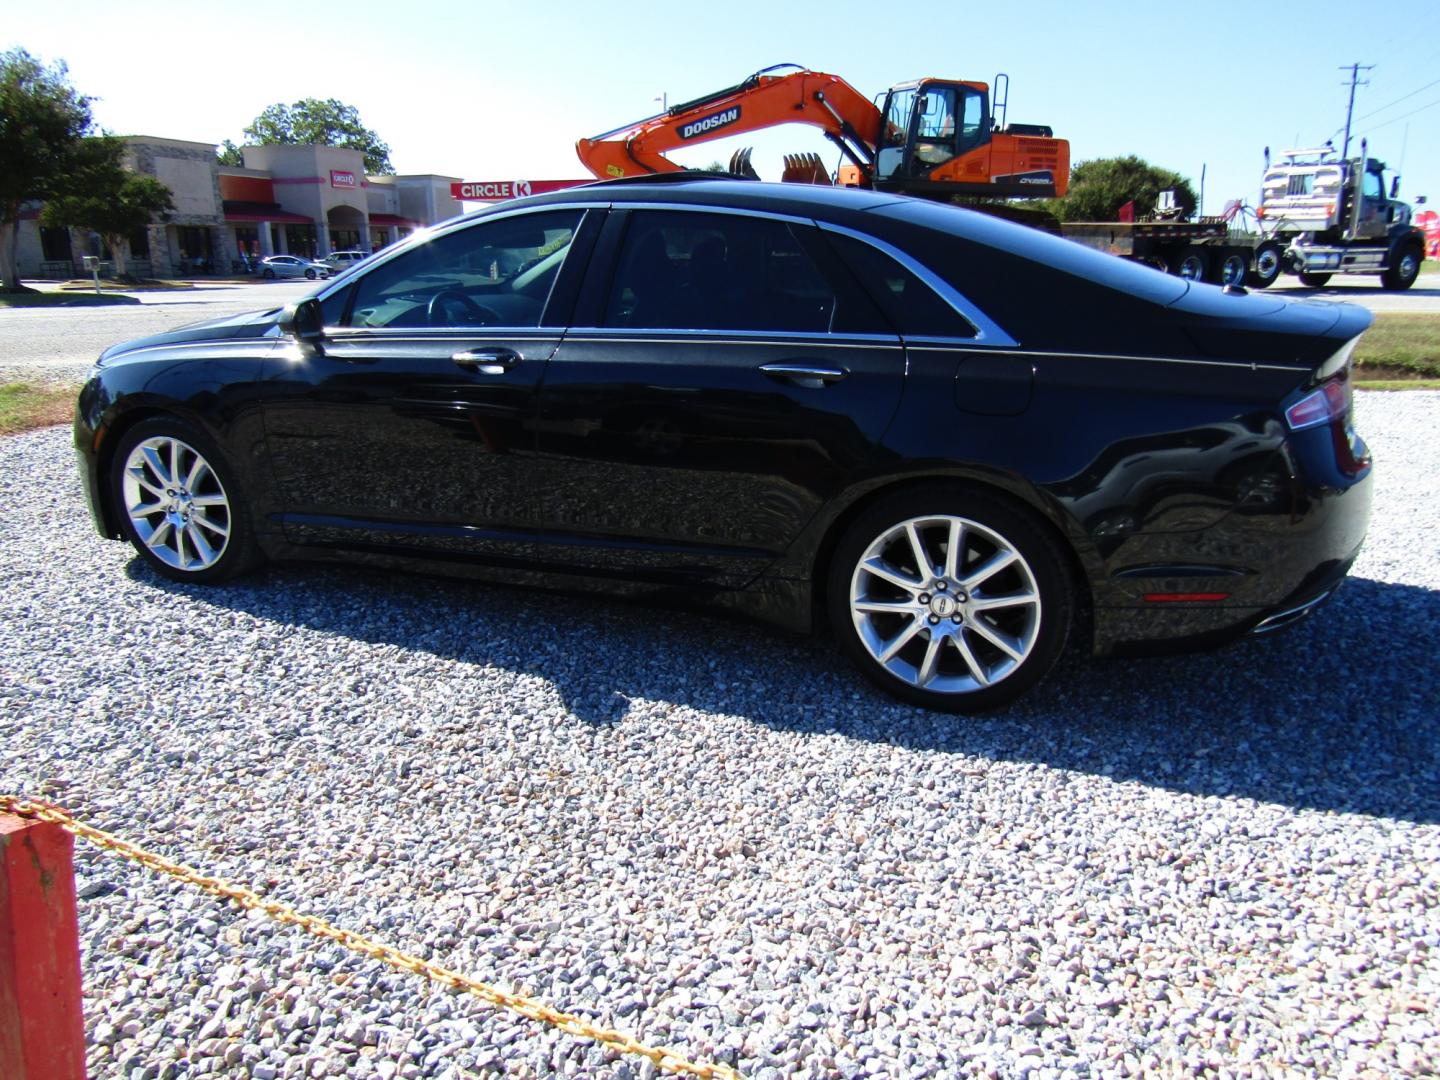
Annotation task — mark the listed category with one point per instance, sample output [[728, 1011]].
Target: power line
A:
[[1397, 101], [1402, 116]]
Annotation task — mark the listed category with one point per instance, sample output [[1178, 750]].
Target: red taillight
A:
[[1320, 407]]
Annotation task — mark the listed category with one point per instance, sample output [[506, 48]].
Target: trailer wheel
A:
[[1314, 281], [1189, 265], [1267, 266], [1406, 269], [1233, 269]]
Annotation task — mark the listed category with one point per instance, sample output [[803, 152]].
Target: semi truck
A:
[[1319, 215]]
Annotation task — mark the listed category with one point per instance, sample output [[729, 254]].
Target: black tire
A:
[[310, 274], [1266, 268], [206, 503], [1314, 281], [268, 272], [1406, 269], [1231, 268], [1192, 264], [1036, 624]]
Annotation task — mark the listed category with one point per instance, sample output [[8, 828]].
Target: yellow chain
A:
[[665, 1059]]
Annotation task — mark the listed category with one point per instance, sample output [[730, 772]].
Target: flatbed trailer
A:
[[1207, 249]]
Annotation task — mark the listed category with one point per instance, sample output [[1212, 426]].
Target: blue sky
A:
[[499, 91]]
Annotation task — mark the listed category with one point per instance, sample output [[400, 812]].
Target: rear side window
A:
[[911, 305], [701, 271]]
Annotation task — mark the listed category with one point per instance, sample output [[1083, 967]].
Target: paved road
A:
[[59, 344], [1423, 296]]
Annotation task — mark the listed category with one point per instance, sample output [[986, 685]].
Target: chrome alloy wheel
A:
[[945, 604], [176, 503]]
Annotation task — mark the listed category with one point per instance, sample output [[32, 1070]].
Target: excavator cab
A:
[[929, 123]]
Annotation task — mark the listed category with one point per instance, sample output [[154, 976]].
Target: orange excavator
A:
[[935, 138]]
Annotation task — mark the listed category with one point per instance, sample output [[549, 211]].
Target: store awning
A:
[[237, 210], [377, 220]]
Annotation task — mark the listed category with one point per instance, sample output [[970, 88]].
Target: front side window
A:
[[493, 273], [700, 271], [1374, 189]]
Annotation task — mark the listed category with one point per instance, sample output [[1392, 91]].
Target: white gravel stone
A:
[[715, 836]]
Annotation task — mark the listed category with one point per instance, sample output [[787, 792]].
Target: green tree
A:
[[229, 154], [325, 123], [109, 199], [1100, 187], [43, 122]]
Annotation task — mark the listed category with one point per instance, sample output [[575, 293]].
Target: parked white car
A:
[[343, 260], [293, 266]]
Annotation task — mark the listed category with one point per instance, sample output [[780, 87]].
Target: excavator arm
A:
[[766, 99]]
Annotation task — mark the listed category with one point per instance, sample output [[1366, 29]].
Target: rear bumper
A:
[[1277, 568]]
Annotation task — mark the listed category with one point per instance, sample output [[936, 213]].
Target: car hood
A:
[[250, 324]]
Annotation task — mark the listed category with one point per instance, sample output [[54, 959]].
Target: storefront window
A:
[[55, 243], [300, 240]]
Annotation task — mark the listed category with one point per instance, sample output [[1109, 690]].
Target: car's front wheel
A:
[[310, 273], [180, 504], [951, 598]]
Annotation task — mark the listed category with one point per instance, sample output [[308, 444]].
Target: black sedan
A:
[[959, 442]]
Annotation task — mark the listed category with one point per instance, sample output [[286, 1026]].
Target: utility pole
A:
[[1354, 70]]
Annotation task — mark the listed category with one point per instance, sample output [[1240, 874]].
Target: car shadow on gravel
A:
[[1338, 713]]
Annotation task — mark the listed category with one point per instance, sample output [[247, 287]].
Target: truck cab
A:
[[1334, 215]]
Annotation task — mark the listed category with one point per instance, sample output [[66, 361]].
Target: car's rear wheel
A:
[[950, 598], [1314, 281], [180, 503]]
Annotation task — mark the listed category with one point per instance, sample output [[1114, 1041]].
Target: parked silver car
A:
[[293, 266]]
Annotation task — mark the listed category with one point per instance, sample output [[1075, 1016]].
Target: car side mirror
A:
[[304, 322], [1395, 187]]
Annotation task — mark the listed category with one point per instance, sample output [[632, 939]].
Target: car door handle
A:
[[487, 361], [811, 376]]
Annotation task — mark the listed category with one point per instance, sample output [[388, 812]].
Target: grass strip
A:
[[1400, 345], [24, 407]]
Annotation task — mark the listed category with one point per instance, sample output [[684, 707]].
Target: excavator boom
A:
[[764, 100]]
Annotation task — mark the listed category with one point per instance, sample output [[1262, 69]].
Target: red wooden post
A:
[[42, 1029]]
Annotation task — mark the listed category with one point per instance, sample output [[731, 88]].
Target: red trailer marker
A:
[[42, 1028]]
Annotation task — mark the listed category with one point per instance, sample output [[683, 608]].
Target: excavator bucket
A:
[[740, 164], [806, 168]]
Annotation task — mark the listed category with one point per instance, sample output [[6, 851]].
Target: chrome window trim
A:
[[987, 331], [1231, 364], [800, 339], [426, 333]]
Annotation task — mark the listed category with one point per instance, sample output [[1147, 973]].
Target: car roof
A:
[[712, 190]]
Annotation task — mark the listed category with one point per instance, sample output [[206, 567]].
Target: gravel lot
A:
[[716, 836]]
